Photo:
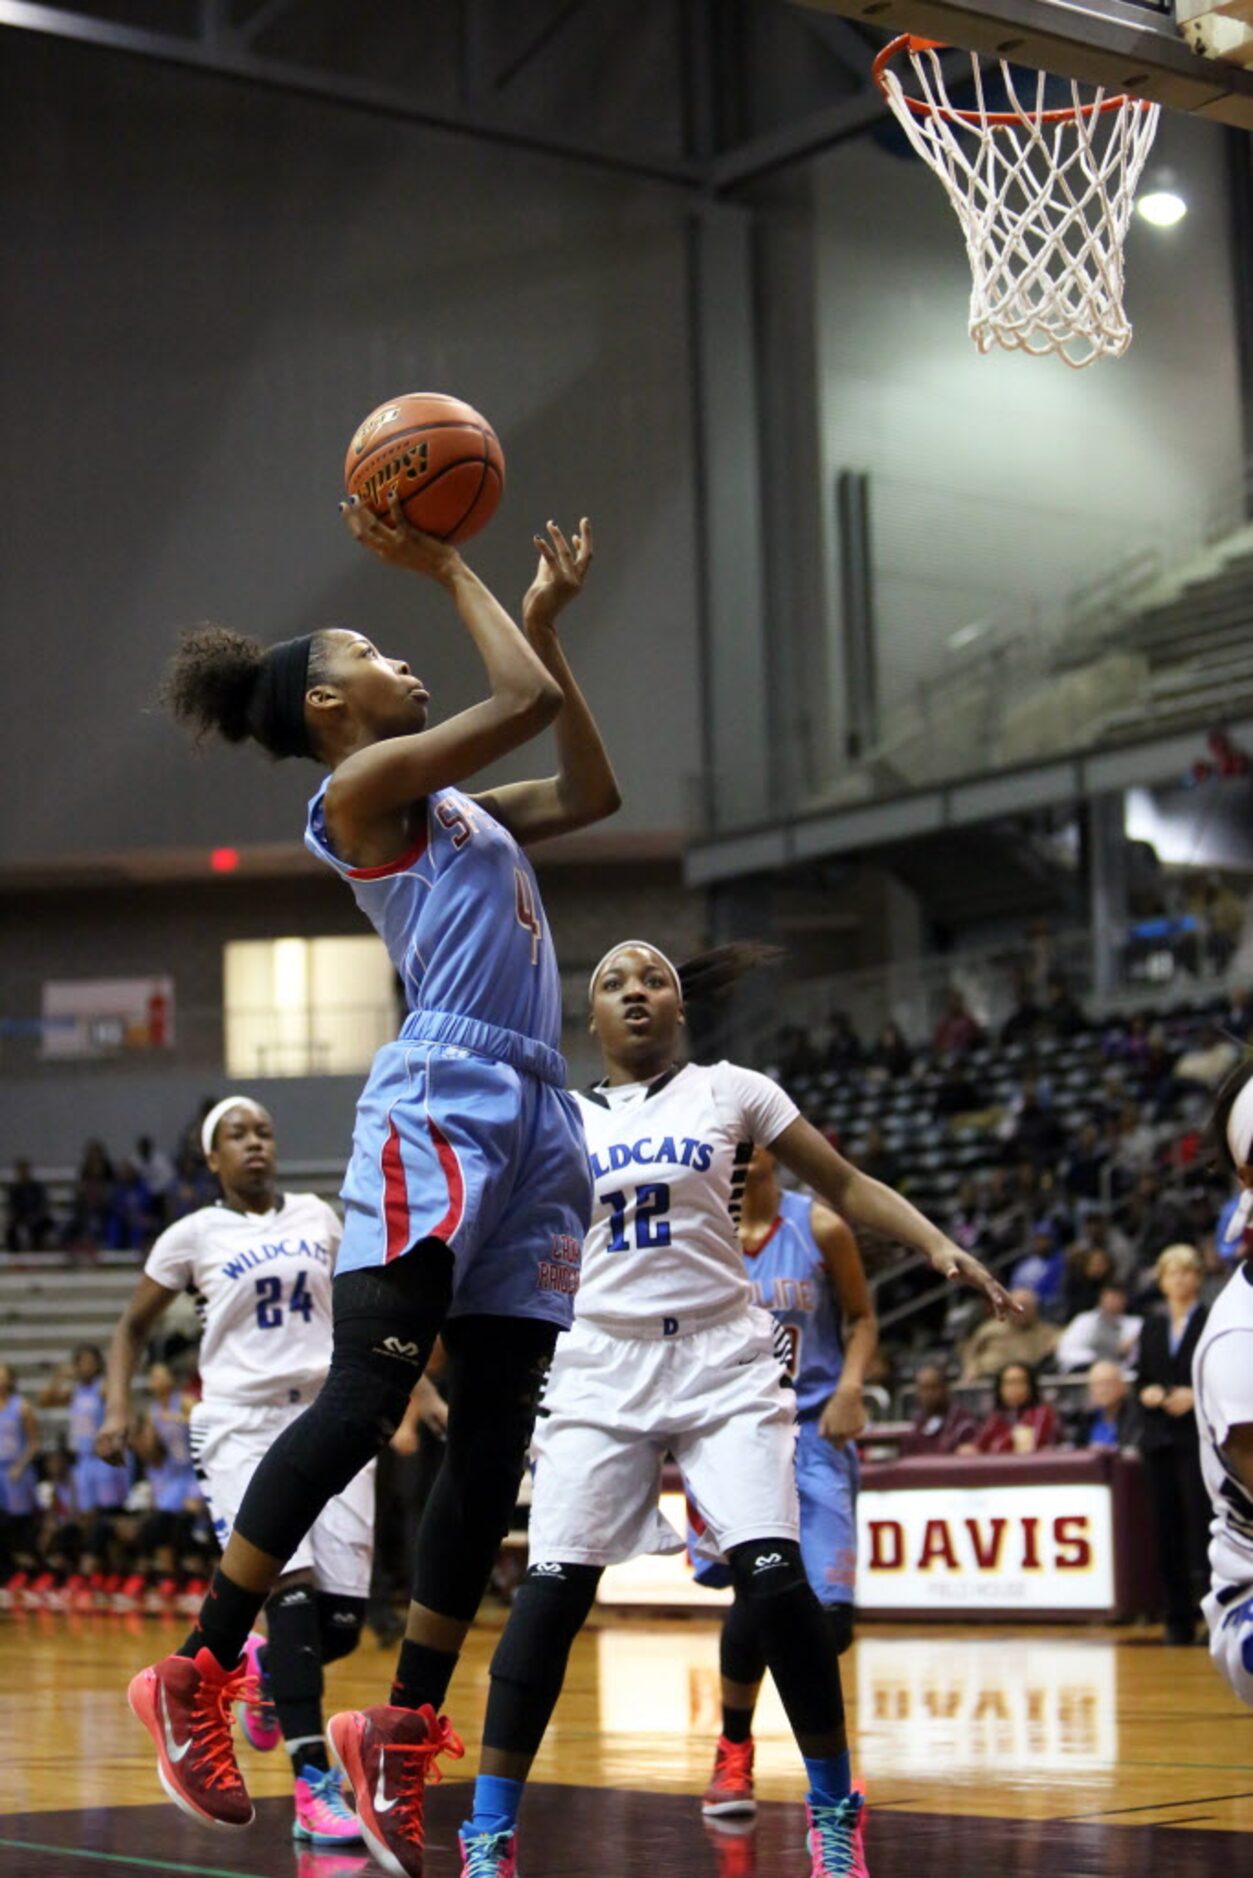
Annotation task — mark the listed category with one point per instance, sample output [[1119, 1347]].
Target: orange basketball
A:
[[444, 458]]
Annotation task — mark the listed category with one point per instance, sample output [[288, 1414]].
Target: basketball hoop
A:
[[1044, 197]]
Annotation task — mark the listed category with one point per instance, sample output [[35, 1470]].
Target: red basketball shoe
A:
[[185, 1704], [730, 1791], [389, 1755]]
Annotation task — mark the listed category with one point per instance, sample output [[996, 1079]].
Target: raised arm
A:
[[373, 783], [866, 1202], [147, 1301], [585, 789]]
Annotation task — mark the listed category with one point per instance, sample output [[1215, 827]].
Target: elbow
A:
[[536, 707]]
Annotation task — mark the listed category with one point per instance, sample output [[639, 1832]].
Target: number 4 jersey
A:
[[262, 1288], [669, 1161]]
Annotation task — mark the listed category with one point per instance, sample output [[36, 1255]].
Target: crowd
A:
[[116, 1204]]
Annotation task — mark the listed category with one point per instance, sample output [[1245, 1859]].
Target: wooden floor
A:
[[1073, 1752]]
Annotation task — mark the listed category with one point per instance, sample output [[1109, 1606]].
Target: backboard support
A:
[[1122, 45]]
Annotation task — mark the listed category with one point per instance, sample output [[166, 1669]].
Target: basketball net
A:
[[1044, 197]]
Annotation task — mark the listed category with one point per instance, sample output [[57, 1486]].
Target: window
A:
[[306, 1007]]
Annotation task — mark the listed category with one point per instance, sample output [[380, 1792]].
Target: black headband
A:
[[276, 710]]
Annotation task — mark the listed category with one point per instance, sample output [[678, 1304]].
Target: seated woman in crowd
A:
[[1019, 1422]]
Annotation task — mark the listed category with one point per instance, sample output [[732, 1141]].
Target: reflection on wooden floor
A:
[[1063, 1742]]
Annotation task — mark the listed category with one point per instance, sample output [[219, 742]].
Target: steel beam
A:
[[231, 59], [1113, 43]]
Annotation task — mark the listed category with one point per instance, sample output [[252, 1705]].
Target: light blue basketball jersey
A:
[[86, 1415], [17, 1497], [789, 1279], [462, 920]]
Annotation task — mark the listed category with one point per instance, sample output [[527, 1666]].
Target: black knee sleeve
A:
[[769, 1573], [838, 1619], [293, 1656], [384, 1330], [339, 1624], [496, 1371], [550, 1607], [741, 1658]]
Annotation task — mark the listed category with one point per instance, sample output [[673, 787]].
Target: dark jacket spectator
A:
[[1111, 1417], [1062, 1016], [1019, 1423], [1085, 1165], [891, 1053], [940, 1426], [28, 1227], [877, 1160], [1037, 1136], [1089, 1269], [1168, 1438], [844, 1048]]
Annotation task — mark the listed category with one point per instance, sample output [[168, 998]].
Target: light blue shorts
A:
[[481, 1148], [826, 1485]]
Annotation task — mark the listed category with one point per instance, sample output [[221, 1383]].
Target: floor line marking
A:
[[128, 1858], [1162, 1806]]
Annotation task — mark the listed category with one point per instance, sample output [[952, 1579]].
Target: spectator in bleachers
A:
[[1111, 1418], [1168, 1439], [135, 1218], [1007, 1214], [958, 1093], [1132, 1140], [940, 1426], [1042, 1270], [1089, 1269], [1154, 1217], [28, 1225], [1105, 1333], [1238, 1020], [1037, 1135], [957, 1031], [798, 1059], [843, 1049], [91, 1208], [157, 1170], [1206, 1061], [194, 1186], [1083, 1170], [1018, 1422], [1024, 1339], [1023, 1021], [968, 1223], [1062, 1016], [891, 1054]]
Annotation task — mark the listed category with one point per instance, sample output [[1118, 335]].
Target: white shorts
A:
[[1231, 1641], [227, 1442], [615, 1406]]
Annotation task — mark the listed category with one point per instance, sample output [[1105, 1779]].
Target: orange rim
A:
[[908, 42]]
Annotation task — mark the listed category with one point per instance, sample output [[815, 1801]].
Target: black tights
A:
[[385, 1323]]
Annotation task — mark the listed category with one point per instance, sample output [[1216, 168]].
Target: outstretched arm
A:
[[869, 1203], [585, 789], [844, 1414]]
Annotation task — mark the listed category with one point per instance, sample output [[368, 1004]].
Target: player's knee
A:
[[765, 1569], [340, 1621], [550, 1607], [838, 1619]]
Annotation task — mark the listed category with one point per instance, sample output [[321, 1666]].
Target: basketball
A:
[[442, 456]]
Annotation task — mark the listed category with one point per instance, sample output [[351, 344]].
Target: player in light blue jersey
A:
[[468, 1193], [805, 1269]]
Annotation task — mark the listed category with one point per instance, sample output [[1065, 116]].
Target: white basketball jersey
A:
[[1222, 1378], [262, 1289], [669, 1161]]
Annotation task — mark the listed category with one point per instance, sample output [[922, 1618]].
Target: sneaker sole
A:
[[343, 1738], [727, 1809], [139, 1697], [305, 1835]]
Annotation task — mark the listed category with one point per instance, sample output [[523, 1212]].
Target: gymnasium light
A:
[[1161, 204]]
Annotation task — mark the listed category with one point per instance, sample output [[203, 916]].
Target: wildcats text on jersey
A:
[[648, 1151], [248, 1261]]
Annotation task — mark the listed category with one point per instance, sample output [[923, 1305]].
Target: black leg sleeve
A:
[[496, 1369], [550, 1607]]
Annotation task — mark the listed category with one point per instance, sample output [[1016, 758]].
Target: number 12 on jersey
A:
[[652, 1203]]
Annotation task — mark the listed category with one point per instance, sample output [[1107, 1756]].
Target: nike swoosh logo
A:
[[171, 1746], [381, 1802]]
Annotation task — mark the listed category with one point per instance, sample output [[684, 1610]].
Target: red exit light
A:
[[224, 860]]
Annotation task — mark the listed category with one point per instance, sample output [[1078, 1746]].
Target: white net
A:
[[1043, 194]]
